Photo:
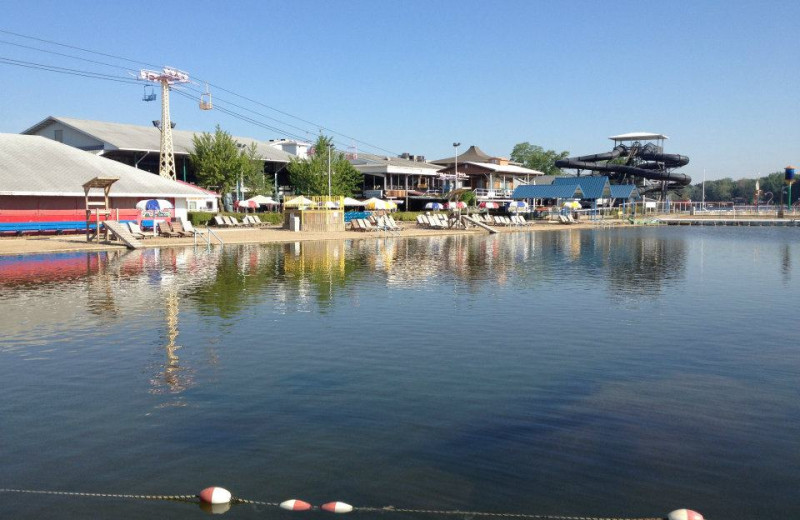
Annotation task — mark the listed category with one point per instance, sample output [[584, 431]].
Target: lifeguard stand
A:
[[100, 208]]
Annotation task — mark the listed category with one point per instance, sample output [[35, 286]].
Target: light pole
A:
[[330, 147], [455, 171]]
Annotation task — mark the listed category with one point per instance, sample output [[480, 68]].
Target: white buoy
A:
[[337, 507], [684, 514], [215, 495], [295, 505]]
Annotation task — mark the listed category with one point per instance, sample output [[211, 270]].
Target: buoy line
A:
[[217, 496]]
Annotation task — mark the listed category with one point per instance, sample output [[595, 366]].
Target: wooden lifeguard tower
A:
[[97, 206]]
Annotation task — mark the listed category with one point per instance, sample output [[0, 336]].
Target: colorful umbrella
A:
[[247, 204], [434, 205], [153, 204], [489, 205], [456, 205]]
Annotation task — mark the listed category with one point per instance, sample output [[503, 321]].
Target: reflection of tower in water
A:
[[172, 377]]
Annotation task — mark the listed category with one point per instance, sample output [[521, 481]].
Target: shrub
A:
[[202, 218]]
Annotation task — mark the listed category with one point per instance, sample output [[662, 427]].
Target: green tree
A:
[[310, 176], [537, 158], [253, 172], [220, 161]]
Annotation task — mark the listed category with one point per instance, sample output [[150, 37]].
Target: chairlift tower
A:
[[166, 77]]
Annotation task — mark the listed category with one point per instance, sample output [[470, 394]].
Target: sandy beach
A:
[[61, 243]]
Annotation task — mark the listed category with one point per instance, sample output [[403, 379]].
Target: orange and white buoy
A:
[[684, 514], [295, 505], [215, 495], [337, 507]]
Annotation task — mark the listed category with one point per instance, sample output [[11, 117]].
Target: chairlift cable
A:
[[321, 127]]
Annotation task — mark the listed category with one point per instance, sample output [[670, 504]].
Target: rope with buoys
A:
[[217, 497]]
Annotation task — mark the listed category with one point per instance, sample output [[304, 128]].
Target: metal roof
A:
[[119, 136], [37, 166], [508, 168], [547, 191], [370, 163], [472, 154], [638, 136], [593, 187], [624, 191]]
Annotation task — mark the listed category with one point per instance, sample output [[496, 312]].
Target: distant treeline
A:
[[743, 190]]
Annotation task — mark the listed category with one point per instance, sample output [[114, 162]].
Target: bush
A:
[[406, 216], [202, 218]]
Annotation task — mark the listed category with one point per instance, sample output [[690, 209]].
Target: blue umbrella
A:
[[434, 205]]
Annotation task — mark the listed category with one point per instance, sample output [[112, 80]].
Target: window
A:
[[59, 136]]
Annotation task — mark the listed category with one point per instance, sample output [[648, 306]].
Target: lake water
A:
[[601, 372]]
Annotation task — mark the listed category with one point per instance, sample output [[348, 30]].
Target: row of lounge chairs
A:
[[433, 221], [165, 228], [566, 219], [247, 221], [502, 220], [372, 223]]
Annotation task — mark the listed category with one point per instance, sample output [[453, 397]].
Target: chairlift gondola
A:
[[149, 93], [205, 100]]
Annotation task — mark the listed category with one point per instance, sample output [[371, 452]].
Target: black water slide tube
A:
[[656, 169]]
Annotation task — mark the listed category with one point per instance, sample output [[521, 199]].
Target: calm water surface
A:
[[623, 372]]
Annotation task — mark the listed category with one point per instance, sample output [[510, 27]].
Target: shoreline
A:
[[13, 246]]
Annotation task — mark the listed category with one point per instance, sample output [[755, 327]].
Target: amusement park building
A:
[[41, 175], [139, 146]]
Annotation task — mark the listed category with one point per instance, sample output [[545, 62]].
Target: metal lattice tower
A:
[[166, 77]]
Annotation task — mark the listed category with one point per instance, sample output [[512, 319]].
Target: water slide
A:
[[647, 162]]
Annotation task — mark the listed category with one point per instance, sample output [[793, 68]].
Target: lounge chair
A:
[[165, 231], [219, 221], [420, 221], [355, 225], [177, 227], [394, 225], [136, 231], [189, 227], [367, 226]]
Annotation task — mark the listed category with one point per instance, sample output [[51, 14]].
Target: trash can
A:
[[294, 223]]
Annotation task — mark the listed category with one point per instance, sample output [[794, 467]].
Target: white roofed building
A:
[[39, 174], [139, 146]]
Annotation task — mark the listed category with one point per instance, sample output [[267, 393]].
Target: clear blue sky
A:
[[719, 78]]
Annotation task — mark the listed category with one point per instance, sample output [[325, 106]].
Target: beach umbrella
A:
[[390, 204], [261, 200], [517, 205], [330, 204], [489, 205], [352, 202], [298, 202], [456, 205], [154, 204], [375, 203], [247, 204], [434, 205]]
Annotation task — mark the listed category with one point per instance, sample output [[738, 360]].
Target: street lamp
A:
[[330, 147], [455, 171]]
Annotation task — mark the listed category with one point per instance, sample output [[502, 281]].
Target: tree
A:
[[310, 176], [220, 161], [253, 172], [537, 158]]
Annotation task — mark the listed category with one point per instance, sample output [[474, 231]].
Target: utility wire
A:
[[64, 70], [321, 127]]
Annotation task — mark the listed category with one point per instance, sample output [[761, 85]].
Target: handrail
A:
[[211, 233]]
